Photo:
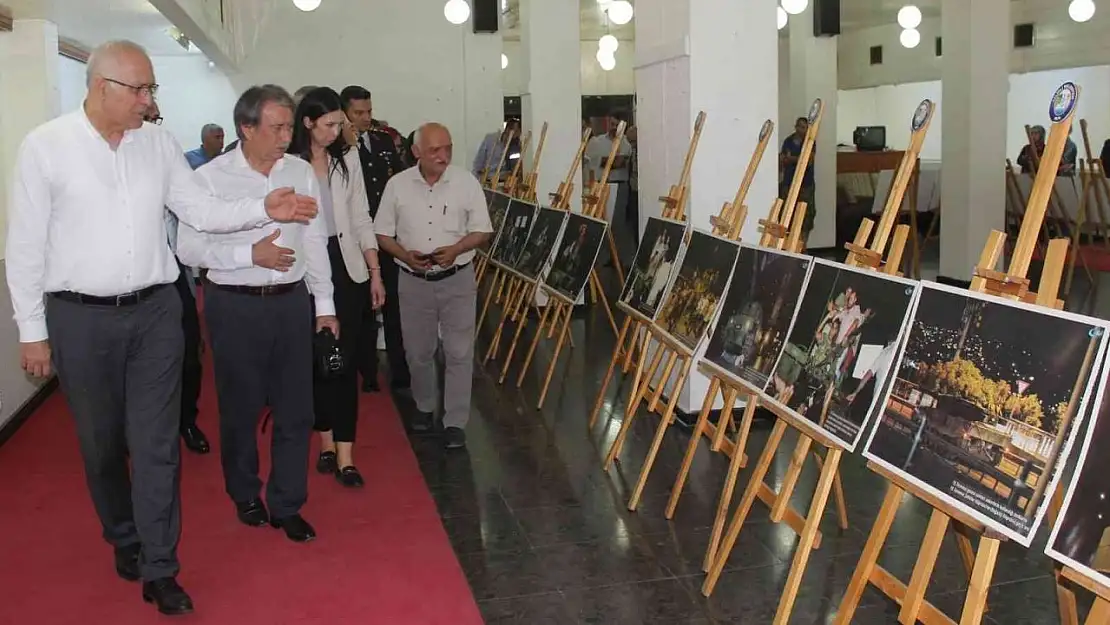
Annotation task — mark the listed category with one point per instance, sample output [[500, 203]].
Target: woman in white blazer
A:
[[353, 250]]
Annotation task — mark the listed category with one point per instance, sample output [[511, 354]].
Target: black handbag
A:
[[328, 357]]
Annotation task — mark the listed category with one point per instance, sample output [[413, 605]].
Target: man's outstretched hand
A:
[[286, 205]]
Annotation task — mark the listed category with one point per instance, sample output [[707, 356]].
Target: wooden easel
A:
[[491, 184], [981, 561], [829, 461]]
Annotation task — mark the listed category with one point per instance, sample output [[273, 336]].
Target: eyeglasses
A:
[[147, 90]]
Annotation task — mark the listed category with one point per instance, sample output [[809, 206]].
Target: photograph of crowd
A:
[[698, 287], [840, 348], [514, 231], [541, 241], [983, 408], [651, 270], [756, 314], [1081, 538], [575, 255]]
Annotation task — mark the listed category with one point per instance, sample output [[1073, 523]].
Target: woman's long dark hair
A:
[[314, 105]]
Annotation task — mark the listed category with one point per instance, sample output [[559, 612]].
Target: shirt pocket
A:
[[455, 219]]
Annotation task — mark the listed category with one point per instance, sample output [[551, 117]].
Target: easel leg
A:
[[629, 415], [725, 500], [535, 341], [643, 382], [489, 297], [1099, 614], [660, 433], [529, 293], [838, 492], [662, 384], [790, 480], [555, 356], [609, 372], [506, 312], [923, 568], [604, 300], [692, 447], [976, 602], [870, 556]]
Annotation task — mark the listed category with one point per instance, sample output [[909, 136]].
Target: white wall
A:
[[1027, 103], [71, 83], [190, 95], [621, 80]]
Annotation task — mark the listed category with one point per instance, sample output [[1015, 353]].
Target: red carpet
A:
[[382, 556]]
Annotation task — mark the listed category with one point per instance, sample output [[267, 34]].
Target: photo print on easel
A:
[[986, 401], [651, 270], [541, 241], [1081, 537], [514, 232], [498, 206], [840, 348], [575, 255], [757, 312], [697, 288]]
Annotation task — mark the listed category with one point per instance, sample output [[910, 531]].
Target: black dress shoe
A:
[[195, 440], [349, 477], [127, 562], [326, 463], [422, 422], [170, 597], [454, 438], [370, 385], [252, 513], [296, 528]]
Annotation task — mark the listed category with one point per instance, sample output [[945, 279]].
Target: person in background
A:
[[353, 252], [409, 157], [434, 249], [191, 370], [493, 145], [1070, 157], [1104, 156], [634, 185], [380, 161], [598, 150], [1024, 159], [261, 286], [211, 146], [89, 270], [788, 163]]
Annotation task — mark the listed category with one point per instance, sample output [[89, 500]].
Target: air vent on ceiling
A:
[[876, 55], [1024, 36], [939, 49]]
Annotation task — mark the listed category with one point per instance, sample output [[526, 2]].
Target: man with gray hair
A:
[[90, 273], [211, 145], [432, 217]]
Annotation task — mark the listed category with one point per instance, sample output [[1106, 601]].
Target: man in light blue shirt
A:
[[489, 153], [211, 145]]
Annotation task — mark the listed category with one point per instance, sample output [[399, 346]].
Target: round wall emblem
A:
[[765, 130], [921, 115], [1063, 102], [815, 110]]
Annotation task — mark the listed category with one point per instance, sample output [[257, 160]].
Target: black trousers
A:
[[120, 370], [391, 318], [191, 368], [336, 399], [262, 355]]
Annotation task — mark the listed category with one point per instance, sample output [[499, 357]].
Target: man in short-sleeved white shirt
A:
[[431, 219]]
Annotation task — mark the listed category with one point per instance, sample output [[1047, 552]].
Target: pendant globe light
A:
[[307, 5], [456, 11], [794, 7], [1081, 10], [620, 12], [909, 16]]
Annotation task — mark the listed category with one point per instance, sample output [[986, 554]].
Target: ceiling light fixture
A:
[[910, 38], [504, 61], [782, 16], [456, 11], [620, 12], [608, 43], [1081, 10], [307, 5], [794, 7], [909, 16], [606, 60]]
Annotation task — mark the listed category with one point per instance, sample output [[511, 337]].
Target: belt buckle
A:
[[120, 299]]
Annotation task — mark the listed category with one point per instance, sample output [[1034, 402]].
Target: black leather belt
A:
[[260, 291], [124, 299], [434, 276]]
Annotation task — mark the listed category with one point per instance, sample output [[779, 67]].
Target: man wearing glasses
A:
[[89, 270]]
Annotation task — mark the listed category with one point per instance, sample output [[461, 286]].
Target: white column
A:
[[974, 79], [717, 57], [28, 92], [484, 97], [813, 67]]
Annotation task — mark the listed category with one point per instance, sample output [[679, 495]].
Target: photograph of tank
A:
[[575, 255], [1081, 537], [513, 234], [840, 348], [691, 303], [985, 402], [756, 314], [540, 243], [651, 270]]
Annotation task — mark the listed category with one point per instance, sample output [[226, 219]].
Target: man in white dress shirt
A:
[[259, 315], [90, 273]]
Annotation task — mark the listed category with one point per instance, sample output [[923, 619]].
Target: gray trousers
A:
[[120, 370], [449, 305]]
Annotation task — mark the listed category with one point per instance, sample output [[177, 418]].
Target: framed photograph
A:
[[696, 290], [987, 398], [575, 255], [759, 307], [1081, 537], [650, 272], [540, 243], [514, 232], [498, 205]]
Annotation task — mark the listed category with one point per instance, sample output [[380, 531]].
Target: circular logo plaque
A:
[[921, 115], [1063, 102], [815, 110], [765, 130]]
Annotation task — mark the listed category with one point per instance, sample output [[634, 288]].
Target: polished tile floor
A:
[[544, 536]]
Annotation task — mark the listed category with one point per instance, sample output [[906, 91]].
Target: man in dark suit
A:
[[381, 159]]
